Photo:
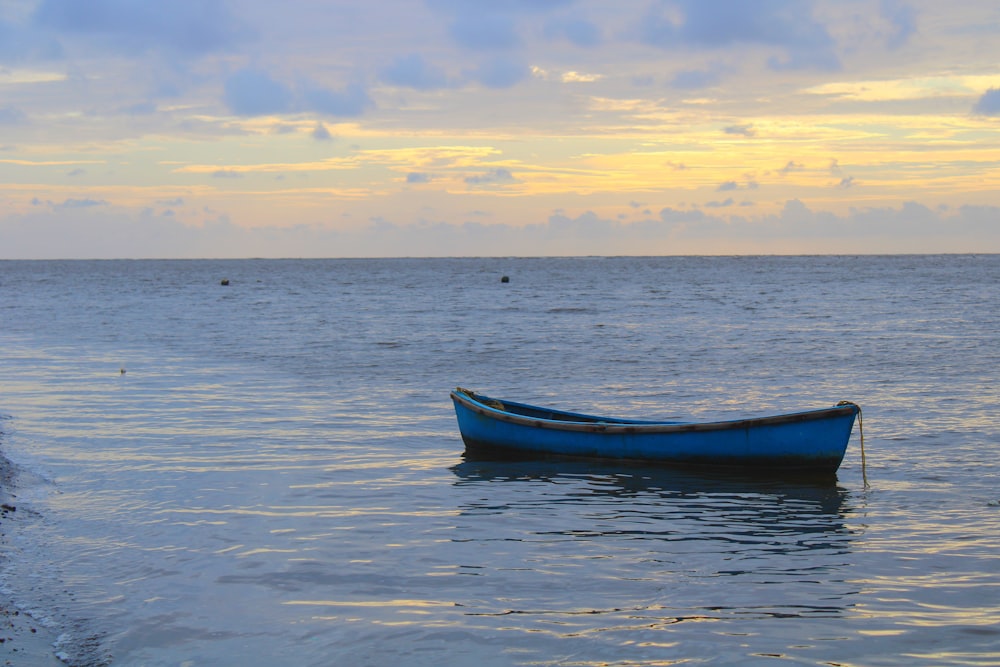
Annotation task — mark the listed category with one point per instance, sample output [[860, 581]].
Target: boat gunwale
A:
[[602, 425]]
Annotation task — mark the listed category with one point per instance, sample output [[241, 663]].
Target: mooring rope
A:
[[491, 402], [861, 432]]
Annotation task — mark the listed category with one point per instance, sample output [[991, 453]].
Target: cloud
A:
[[12, 116], [100, 231], [350, 102], [792, 166], [578, 77], [696, 79], [903, 20], [732, 186], [416, 178], [179, 27], [484, 31], [21, 42], [500, 73], [588, 226], [498, 176], [787, 25], [320, 133], [505, 6], [576, 31], [510, 7], [493, 25], [742, 130], [720, 204], [140, 109], [989, 103], [253, 93], [80, 203], [673, 215], [412, 71], [104, 232], [846, 182]]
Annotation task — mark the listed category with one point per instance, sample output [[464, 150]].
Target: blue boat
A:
[[811, 440]]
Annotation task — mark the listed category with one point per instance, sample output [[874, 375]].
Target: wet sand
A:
[[23, 640]]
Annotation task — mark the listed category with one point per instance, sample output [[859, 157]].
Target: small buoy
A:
[[225, 281], [123, 370], [505, 279]]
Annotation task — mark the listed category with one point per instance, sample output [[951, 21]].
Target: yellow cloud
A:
[[419, 157], [566, 77], [18, 76], [577, 77], [51, 163], [905, 89], [278, 167]]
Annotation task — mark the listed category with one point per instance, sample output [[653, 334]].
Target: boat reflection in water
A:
[[656, 546], [780, 496]]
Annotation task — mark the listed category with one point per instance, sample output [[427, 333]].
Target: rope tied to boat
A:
[[861, 432], [490, 402]]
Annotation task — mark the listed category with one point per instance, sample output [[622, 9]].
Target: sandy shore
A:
[[23, 640]]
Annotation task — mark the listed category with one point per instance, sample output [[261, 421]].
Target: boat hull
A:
[[814, 440]]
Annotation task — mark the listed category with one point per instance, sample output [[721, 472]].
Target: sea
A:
[[269, 472]]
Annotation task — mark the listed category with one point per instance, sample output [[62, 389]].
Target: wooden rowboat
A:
[[811, 440]]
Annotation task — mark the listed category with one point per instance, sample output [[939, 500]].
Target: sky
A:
[[336, 128]]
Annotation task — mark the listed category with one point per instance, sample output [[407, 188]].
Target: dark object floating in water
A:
[[505, 279], [225, 281], [813, 441]]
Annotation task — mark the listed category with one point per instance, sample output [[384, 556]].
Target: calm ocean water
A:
[[277, 477]]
